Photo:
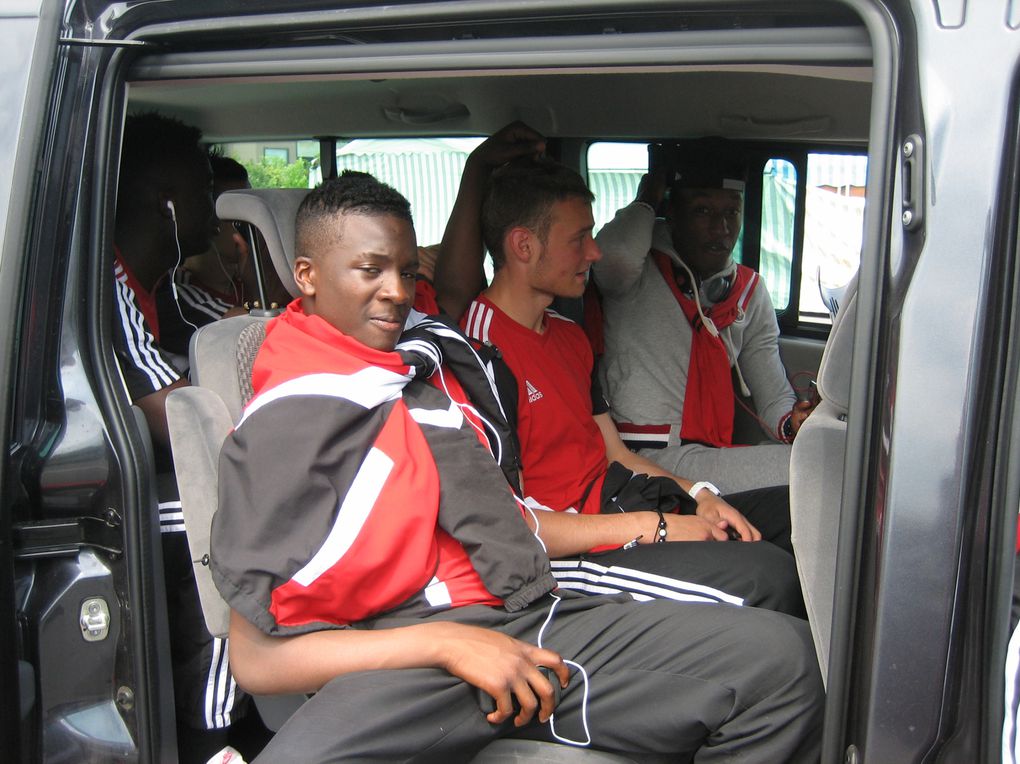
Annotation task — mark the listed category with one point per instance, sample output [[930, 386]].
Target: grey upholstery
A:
[[272, 211], [199, 423], [215, 352], [816, 478], [834, 369], [833, 297], [199, 418], [248, 343]]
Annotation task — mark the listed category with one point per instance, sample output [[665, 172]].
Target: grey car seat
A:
[[201, 416], [816, 478], [272, 211]]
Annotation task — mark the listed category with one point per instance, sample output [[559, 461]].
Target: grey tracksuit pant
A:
[[724, 683]]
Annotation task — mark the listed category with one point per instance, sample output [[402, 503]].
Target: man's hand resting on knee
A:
[[716, 511], [503, 667]]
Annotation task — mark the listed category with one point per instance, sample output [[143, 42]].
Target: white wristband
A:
[[696, 488]]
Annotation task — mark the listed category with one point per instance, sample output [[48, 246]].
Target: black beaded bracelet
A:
[[660, 532]]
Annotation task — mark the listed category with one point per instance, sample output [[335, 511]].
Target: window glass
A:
[[273, 153], [614, 172], [833, 229], [425, 170], [779, 204]]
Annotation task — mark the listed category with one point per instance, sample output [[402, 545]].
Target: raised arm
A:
[[499, 665], [459, 276], [626, 239]]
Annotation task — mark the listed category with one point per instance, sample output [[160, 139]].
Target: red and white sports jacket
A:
[[330, 506]]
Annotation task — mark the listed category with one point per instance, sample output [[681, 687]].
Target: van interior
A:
[[407, 97], [805, 89]]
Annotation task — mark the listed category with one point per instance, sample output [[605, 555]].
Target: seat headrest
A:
[[272, 211], [834, 369]]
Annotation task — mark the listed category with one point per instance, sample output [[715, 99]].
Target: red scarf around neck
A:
[[708, 399]]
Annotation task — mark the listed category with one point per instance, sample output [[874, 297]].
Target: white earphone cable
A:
[[584, 677], [173, 273]]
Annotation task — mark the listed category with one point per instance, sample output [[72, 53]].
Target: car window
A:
[[614, 172], [425, 170], [779, 202], [833, 228]]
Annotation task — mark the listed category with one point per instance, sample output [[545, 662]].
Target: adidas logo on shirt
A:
[[533, 393]]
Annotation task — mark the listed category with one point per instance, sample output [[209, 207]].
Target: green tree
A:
[[275, 173]]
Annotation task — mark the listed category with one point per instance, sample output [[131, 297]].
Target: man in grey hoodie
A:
[[679, 315]]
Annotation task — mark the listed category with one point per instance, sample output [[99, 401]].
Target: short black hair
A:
[[352, 192], [522, 193], [154, 147], [226, 170]]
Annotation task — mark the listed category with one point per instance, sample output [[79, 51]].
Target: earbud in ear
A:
[[173, 210]]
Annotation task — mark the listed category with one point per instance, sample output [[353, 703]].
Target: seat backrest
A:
[[222, 354], [834, 368], [199, 423], [834, 297], [272, 211], [200, 420], [816, 478], [200, 417]]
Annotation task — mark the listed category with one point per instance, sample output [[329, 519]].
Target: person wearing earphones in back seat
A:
[[164, 214], [685, 326], [226, 270], [186, 301], [219, 270]]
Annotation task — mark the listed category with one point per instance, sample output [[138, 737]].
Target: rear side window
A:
[[833, 230], [425, 170], [778, 211], [833, 227], [614, 172]]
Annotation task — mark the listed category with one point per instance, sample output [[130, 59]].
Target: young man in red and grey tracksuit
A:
[[389, 569]]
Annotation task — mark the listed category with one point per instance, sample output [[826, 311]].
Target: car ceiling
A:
[[777, 83], [791, 103]]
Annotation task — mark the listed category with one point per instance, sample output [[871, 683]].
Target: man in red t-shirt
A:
[[612, 506]]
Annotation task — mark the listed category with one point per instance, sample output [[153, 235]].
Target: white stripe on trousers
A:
[[171, 517], [219, 687], [591, 578]]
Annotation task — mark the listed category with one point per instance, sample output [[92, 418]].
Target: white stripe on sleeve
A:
[[354, 511]]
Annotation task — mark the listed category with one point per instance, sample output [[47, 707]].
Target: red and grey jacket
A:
[[330, 507]]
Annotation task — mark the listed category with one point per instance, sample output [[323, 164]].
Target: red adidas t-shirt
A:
[[562, 450]]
